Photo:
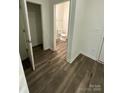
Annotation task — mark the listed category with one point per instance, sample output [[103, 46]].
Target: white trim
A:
[[93, 58], [99, 47], [88, 55], [54, 23], [72, 59], [34, 1], [38, 3], [54, 27]]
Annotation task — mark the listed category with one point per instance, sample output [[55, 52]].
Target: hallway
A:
[[54, 75]]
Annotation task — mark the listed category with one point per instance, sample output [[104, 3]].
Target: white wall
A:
[[34, 15], [23, 88], [22, 43], [88, 28], [85, 26], [59, 18]]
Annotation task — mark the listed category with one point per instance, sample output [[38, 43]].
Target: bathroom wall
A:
[[66, 16], [62, 15]]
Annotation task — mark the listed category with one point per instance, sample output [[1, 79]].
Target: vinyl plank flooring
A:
[[79, 76], [97, 81], [54, 74]]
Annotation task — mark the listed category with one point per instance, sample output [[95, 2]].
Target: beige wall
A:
[[59, 18], [66, 16], [62, 15]]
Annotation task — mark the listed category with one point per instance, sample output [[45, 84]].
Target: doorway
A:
[[61, 20], [35, 24]]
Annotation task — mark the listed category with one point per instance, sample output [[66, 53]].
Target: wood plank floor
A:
[[54, 75]]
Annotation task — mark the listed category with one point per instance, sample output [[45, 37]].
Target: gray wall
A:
[[34, 14]]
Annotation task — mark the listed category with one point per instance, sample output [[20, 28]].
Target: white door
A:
[[25, 14], [101, 57]]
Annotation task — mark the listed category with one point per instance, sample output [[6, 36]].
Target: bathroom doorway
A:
[[61, 22]]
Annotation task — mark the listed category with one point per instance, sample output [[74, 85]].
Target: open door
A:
[[29, 43]]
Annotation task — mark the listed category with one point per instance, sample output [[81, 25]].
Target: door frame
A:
[[54, 24], [41, 11], [25, 11], [100, 50]]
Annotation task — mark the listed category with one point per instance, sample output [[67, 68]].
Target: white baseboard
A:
[[88, 55], [92, 57]]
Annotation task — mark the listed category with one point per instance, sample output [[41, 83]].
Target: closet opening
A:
[[36, 29]]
